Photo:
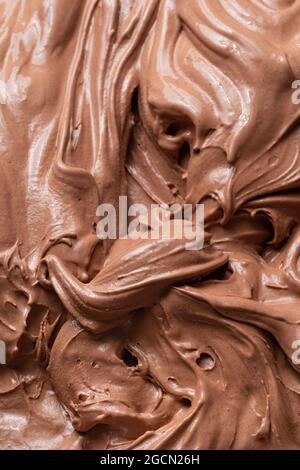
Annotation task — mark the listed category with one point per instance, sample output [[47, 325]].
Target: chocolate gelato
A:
[[143, 344]]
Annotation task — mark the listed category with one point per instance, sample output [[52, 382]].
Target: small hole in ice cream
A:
[[186, 402], [184, 155], [173, 129], [135, 102], [128, 358], [221, 274], [206, 361]]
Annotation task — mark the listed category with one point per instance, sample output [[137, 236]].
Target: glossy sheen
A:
[[143, 344]]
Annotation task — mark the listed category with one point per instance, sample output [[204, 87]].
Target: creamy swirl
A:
[[141, 344]]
